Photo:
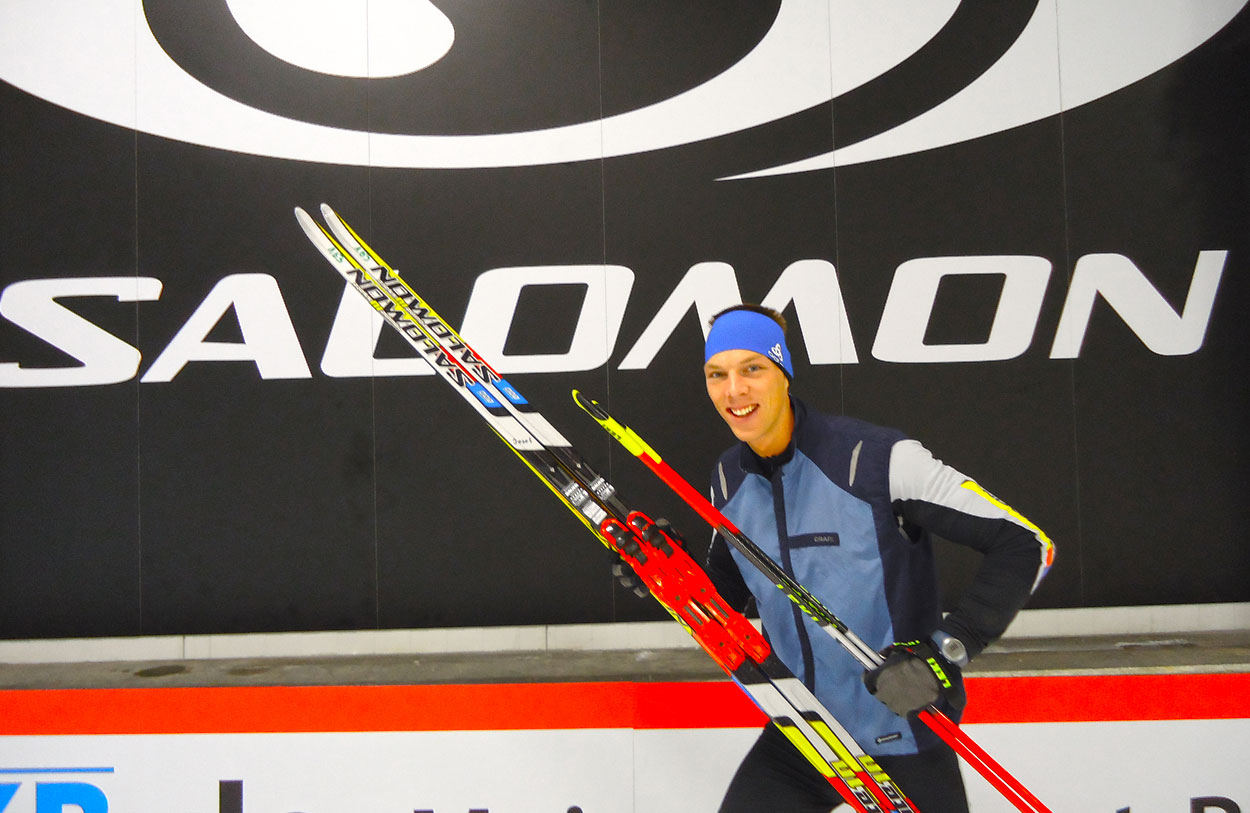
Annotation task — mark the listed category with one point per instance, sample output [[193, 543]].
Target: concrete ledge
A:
[[573, 637], [654, 635], [1163, 618]]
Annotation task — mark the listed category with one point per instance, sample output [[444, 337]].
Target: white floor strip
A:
[[1077, 622]]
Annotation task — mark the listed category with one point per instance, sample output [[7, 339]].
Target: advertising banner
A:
[[1015, 230]]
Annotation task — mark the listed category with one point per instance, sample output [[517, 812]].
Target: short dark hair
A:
[[750, 306]]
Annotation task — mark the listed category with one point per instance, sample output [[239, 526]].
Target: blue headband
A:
[[749, 330]]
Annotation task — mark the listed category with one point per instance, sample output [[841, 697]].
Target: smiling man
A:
[[846, 508], [750, 390]]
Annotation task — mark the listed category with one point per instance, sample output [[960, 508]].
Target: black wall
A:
[[237, 496]]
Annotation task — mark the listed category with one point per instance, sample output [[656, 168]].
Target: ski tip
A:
[[306, 223], [328, 213], [626, 436], [590, 405]]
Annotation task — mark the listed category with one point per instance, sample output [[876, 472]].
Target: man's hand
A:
[[625, 574], [914, 676], [629, 579]]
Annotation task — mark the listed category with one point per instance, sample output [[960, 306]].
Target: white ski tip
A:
[[305, 221]]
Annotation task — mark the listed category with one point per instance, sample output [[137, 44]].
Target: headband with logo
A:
[[749, 330]]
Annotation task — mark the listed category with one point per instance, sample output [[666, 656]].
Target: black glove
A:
[[664, 525], [625, 574], [628, 578], [913, 676]]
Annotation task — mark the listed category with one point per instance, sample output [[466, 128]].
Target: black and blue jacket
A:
[[847, 510]]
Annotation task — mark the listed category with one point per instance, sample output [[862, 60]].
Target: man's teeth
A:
[[741, 412]]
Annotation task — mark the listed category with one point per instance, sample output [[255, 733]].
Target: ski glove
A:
[[628, 578], [624, 573], [914, 676]]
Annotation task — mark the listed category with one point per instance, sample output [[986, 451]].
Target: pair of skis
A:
[[675, 580]]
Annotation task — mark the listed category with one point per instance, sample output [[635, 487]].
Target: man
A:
[[846, 508]]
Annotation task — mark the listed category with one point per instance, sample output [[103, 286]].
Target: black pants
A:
[[775, 778]]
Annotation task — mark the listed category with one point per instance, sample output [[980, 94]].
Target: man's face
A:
[[752, 395]]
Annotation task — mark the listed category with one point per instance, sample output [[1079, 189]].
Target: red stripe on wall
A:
[[376, 708], [574, 705], [1093, 698]]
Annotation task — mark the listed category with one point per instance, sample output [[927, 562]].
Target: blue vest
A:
[[826, 517]]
